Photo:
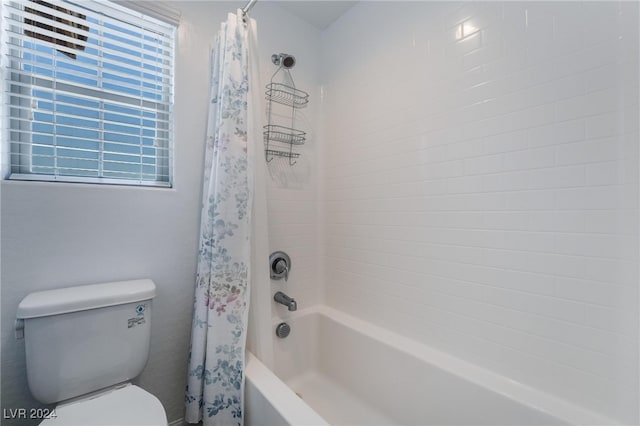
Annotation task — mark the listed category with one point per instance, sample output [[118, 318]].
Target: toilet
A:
[[83, 347]]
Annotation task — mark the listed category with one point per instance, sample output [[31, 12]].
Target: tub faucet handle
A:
[[279, 265], [282, 268]]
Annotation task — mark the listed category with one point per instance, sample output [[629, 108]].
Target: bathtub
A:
[[339, 370]]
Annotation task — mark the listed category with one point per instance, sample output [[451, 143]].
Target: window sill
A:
[[95, 182]]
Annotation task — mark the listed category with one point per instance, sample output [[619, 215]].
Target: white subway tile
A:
[[604, 125], [588, 151], [489, 194], [506, 142], [505, 181], [529, 159], [557, 221], [606, 173], [593, 103], [557, 133]]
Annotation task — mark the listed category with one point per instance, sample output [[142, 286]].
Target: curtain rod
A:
[[248, 7]]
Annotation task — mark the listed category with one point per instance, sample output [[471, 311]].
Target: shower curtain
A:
[[215, 385]]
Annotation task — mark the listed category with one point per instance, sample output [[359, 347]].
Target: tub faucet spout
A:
[[285, 300]]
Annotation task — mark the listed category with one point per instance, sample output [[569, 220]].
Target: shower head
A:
[[283, 59]]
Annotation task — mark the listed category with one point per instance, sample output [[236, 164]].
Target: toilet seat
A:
[[123, 406]]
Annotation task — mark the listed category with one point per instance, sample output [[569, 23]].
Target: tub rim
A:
[[293, 409], [526, 395]]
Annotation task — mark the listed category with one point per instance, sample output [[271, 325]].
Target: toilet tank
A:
[[82, 339]]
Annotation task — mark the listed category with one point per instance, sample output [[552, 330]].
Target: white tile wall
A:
[[481, 195], [293, 191]]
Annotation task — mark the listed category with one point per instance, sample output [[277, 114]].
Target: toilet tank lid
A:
[[84, 297]]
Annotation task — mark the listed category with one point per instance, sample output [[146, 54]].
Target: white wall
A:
[[56, 235], [482, 194]]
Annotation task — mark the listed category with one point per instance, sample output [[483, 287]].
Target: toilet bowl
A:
[[125, 405]]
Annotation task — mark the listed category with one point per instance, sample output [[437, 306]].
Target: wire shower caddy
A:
[[280, 139]]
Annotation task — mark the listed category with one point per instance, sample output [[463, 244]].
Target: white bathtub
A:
[[336, 369]]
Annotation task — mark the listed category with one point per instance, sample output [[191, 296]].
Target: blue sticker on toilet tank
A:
[[139, 318], [140, 309]]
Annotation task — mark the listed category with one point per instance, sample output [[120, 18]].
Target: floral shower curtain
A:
[[215, 384]]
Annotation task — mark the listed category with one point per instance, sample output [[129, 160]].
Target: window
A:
[[88, 92]]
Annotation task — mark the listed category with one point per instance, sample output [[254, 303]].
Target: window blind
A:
[[88, 92]]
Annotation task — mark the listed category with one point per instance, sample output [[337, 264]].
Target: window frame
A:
[[13, 169]]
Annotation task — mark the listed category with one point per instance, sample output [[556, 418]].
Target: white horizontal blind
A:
[[88, 92]]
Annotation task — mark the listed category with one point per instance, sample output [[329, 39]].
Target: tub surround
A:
[[481, 186]]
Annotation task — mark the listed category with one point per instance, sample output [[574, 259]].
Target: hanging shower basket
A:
[[280, 139], [288, 135], [287, 95]]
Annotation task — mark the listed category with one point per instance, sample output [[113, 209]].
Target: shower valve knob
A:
[[281, 268], [279, 265]]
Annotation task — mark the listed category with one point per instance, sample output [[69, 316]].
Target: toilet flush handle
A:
[[19, 329]]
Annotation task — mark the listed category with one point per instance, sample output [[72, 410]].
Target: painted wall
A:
[[482, 192], [56, 235]]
